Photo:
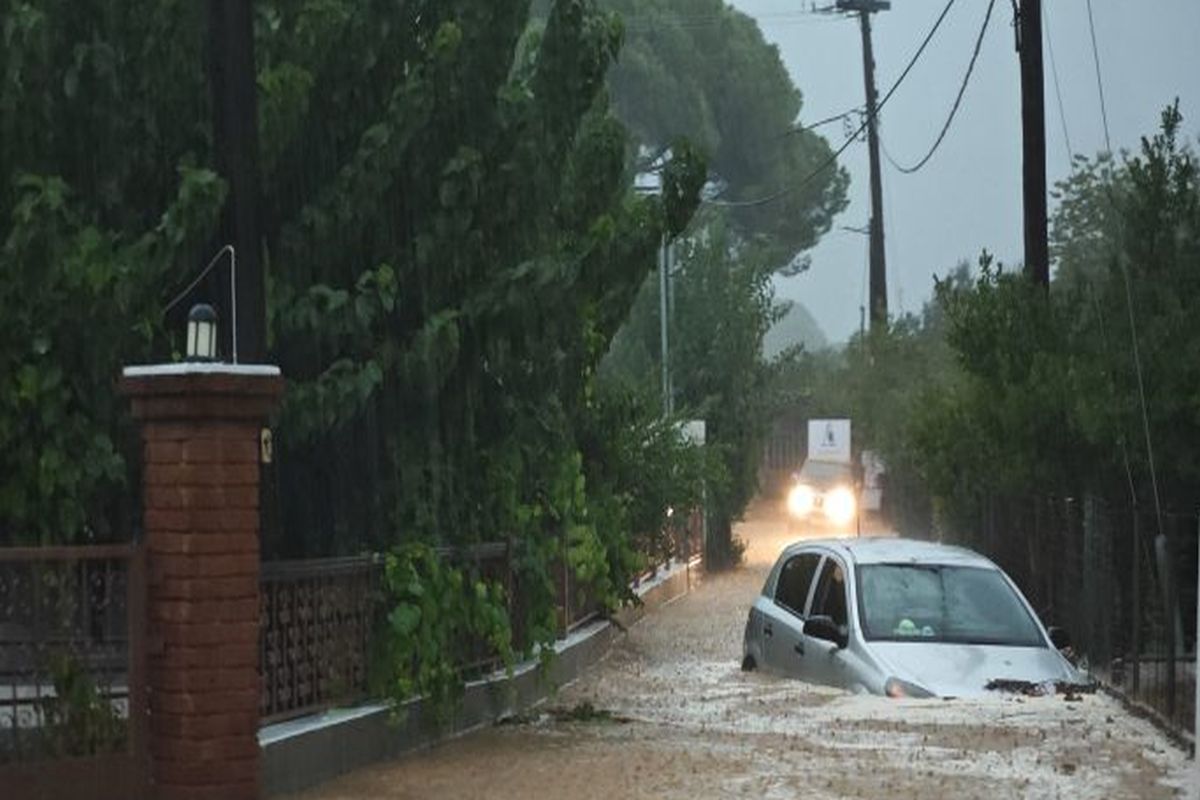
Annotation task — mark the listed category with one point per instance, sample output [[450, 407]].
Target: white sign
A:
[[829, 440], [692, 431]]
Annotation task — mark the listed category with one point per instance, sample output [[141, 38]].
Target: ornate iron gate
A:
[[72, 704]]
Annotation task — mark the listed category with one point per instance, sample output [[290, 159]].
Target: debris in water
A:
[[586, 712], [1070, 690]]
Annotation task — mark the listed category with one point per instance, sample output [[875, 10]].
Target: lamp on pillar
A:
[[202, 333], [203, 317]]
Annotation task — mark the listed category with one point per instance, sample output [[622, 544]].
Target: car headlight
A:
[[840, 506], [898, 688], [801, 500]]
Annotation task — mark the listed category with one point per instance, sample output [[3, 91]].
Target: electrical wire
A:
[[957, 100], [833, 157], [1112, 390], [196, 281], [1137, 365], [1062, 115], [1099, 82], [1121, 261], [835, 118]]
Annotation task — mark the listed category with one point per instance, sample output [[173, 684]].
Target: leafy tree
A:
[[451, 244], [885, 381], [1138, 283], [103, 199], [459, 282], [702, 69], [1003, 423], [1044, 391], [724, 307]]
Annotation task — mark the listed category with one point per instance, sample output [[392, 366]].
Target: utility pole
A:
[[233, 82], [1033, 128], [878, 263]]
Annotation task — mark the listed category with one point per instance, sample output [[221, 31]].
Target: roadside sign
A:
[[829, 440], [693, 431]]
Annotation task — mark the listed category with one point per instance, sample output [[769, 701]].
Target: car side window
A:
[[791, 591], [830, 597]]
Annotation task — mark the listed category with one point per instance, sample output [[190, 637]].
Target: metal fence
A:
[[72, 625], [1121, 581], [318, 618]]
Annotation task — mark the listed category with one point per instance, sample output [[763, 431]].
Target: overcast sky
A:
[[969, 196]]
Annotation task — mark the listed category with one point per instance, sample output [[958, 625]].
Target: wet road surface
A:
[[669, 714]]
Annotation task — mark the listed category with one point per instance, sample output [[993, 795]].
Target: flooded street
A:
[[669, 714]]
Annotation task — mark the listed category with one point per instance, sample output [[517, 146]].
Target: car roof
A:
[[891, 550]]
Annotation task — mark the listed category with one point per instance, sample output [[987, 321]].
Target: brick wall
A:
[[200, 445]]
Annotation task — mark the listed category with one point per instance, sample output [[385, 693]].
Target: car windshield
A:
[[941, 603], [824, 473]]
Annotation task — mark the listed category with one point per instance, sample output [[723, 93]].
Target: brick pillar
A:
[[200, 427]]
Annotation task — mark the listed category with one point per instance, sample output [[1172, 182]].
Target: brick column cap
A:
[[201, 391]]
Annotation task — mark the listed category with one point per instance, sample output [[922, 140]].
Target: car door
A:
[[783, 620], [825, 662]]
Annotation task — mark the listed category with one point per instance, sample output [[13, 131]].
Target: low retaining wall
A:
[[302, 753]]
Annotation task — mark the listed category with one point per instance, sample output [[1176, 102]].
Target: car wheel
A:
[[748, 664]]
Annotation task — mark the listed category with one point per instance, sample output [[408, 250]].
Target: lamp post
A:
[[664, 293], [205, 315], [650, 183]]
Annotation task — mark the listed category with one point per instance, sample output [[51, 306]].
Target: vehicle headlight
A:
[[899, 688], [840, 505], [801, 500]]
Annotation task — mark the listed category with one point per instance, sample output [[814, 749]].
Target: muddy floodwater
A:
[[669, 714]]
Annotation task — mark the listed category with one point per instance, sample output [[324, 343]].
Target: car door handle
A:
[[799, 648], [767, 631]]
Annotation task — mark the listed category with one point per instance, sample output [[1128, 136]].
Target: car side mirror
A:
[[823, 627], [1059, 637]]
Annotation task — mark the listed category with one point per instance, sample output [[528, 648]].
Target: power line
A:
[[1121, 260], [1112, 389], [957, 100], [201, 276], [1141, 385], [917, 55], [1062, 115], [828, 162], [835, 118], [1099, 82]]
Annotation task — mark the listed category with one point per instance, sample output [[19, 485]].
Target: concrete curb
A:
[[302, 753]]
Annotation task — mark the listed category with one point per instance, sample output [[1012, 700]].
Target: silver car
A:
[[900, 618]]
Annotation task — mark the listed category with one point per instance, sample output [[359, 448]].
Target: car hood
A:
[[963, 670]]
